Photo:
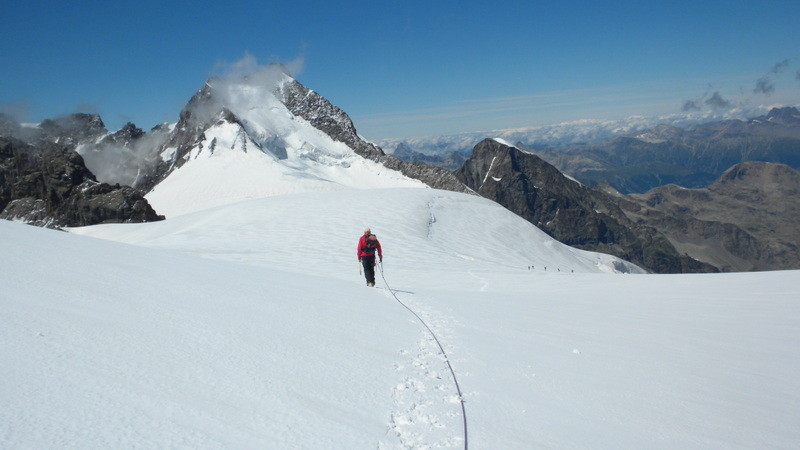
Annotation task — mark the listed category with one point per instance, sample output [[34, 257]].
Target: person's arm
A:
[[359, 247], [380, 251]]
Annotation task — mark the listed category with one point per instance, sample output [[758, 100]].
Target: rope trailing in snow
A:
[[441, 349]]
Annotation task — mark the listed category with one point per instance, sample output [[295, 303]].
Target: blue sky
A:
[[406, 68]]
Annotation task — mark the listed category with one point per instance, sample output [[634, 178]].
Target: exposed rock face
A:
[[748, 219], [692, 159], [325, 117], [125, 135], [568, 211], [50, 186]]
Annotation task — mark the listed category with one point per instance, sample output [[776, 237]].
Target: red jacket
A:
[[360, 249]]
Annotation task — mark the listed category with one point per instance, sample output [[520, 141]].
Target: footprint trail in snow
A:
[[426, 410]]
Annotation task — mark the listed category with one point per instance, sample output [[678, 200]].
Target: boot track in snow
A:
[[415, 385]]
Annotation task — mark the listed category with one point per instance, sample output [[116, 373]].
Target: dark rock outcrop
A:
[[566, 210], [50, 186]]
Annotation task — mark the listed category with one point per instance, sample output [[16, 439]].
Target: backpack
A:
[[370, 244]]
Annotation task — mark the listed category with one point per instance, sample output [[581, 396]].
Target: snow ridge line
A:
[[441, 349]]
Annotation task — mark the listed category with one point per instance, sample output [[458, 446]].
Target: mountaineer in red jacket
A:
[[367, 246]]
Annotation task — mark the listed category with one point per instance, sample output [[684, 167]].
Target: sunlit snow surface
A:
[[444, 234], [248, 325]]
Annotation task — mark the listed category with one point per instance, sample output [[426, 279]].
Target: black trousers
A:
[[369, 267]]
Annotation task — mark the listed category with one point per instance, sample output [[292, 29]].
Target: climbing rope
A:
[[441, 349]]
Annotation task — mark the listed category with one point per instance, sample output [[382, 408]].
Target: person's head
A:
[[367, 231]]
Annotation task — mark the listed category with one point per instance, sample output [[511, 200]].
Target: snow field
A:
[[650, 361], [556, 359], [272, 340], [431, 237], [141, 347]]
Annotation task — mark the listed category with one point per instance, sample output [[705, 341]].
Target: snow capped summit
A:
[[787, 115], [237, 139]]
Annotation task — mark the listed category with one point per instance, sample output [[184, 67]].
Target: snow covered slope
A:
[[237, 140], [104, 345], [110, 345], [437, 232]]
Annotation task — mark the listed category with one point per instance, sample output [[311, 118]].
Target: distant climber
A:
[[368, 245]]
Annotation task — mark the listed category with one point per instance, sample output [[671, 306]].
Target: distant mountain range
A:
[[450, 160], [636, 154], [575, 133], [691, 158]]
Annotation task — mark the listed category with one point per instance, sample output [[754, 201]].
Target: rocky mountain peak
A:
[[403, 149], [74, 127], [786, 116], [762, 176], [200, 108], [129, 132], [748, 219], [566, 210]]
